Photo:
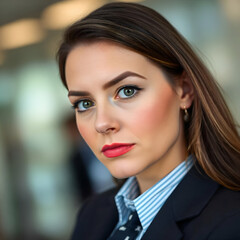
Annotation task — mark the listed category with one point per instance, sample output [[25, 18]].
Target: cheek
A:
[[155, 114], [86, 133]]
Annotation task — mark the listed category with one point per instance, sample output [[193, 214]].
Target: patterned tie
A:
[[128, 231]]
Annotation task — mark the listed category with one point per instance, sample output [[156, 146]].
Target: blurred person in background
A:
[[154, 116]]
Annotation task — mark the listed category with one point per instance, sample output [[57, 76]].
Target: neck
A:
[[162, 167]]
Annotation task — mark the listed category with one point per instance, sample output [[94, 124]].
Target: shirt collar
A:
[[128, 198]]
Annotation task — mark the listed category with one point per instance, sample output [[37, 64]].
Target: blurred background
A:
[[46, 170]]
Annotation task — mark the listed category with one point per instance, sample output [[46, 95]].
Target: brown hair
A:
[[211, 133]]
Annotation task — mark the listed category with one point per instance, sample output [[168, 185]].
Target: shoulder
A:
[[226, 207], [230, 198], [224, 203], [214, 209], [220, 219], [227, 228]]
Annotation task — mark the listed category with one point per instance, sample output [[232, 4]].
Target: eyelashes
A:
[[124, 93], [83, 105], [127, 92]]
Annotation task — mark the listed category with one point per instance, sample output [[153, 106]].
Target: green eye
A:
[[83, 105], [127, 92], [86, 104]]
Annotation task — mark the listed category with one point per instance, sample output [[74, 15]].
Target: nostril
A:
[[107, 126], [105, 129]]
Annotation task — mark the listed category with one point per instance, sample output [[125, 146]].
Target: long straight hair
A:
[[211, 133]]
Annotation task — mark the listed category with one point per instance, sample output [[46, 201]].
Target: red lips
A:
[[116, 149]]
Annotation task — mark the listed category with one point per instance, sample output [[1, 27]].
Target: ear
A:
[[185, 91]]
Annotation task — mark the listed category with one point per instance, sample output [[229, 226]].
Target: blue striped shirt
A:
[[150, 202]]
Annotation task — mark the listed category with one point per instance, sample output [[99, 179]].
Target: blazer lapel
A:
[[186, 201], [104, 221], [105, 226]]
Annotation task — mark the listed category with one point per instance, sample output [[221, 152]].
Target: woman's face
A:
[[126, 110]]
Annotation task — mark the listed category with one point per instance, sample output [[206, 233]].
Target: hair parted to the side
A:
[[211, 133]]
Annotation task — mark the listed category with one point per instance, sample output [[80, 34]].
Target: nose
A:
[[106, 121]]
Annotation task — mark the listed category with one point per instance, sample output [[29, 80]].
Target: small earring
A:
[[186, 115]]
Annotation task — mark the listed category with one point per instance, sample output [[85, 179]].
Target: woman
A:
[[152, 114]]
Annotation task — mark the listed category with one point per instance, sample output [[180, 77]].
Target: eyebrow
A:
[[109, 84]]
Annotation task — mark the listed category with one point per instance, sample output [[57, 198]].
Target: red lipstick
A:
[[116, 149]]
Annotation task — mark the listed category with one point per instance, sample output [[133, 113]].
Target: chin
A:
[[123, 173]]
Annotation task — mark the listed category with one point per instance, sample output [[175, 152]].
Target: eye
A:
[[127, 92], [83, 105]]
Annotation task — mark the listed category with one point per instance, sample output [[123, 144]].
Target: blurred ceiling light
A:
[[60, 15], [232, 9], [20, 33]]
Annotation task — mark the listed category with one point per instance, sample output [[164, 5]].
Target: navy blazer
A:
[[197, 209]]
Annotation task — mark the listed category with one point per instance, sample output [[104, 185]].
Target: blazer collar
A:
[[104, 219], [186, 201]]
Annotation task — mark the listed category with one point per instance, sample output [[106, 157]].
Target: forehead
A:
[[95, 50], [102, 60]]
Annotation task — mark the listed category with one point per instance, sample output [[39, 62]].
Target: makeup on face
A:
[[116, 149], [126, 110]]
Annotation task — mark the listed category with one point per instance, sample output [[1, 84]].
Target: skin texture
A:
[[151, 119]]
